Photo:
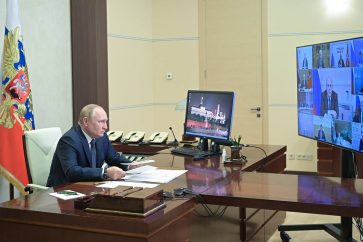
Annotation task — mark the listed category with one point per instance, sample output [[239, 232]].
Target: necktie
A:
[[329, 103], [93, 153]]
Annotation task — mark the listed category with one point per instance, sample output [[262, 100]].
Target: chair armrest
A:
[[30, 188], [37, 186]]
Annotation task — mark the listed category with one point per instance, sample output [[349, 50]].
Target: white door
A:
[[231, 59]]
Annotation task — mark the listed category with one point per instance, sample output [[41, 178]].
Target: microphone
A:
[[175, 142]]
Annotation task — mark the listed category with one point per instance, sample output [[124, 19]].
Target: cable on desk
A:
[[253, 146], [217, 213], [257, 148]]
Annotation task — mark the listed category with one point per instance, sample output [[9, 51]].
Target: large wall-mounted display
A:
[[330, 92]]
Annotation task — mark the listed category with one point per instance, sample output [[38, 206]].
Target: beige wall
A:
[[146, 40], [130, 63], [294, 23]]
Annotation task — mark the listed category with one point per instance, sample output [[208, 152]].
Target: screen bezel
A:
[[352, 83], [203, 136]]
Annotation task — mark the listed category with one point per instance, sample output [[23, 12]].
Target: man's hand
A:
[[333, 114], [115, 173]]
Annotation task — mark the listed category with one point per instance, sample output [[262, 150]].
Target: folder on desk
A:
[[124, 200]]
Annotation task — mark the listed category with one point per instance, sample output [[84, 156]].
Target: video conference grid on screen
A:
[[330, 92], [209, 114]]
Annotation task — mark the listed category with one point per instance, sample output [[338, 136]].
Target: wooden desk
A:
[[257, 223], [40, 217], [296, 193], [139, 149]]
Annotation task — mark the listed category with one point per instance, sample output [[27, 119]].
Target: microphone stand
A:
[[175, 142]]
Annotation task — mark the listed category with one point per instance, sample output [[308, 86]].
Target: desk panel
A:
[[41, 217], [296, 193]]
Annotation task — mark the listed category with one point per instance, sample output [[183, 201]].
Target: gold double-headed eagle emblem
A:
[[12, 109]]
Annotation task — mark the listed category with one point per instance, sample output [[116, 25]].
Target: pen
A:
[[67, 192]]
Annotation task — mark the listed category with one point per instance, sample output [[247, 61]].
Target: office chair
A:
[[39, 148]]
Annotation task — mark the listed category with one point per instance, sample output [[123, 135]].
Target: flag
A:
[[353, 55], [316, 92], [16, 108]]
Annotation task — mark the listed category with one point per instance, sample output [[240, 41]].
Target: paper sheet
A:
[[141, 169], [156, 176], [113, 184], [141, 162], [65, 195]]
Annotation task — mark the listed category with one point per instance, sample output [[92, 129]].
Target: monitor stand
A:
[[215, 147], [203, 144], [341, 231]]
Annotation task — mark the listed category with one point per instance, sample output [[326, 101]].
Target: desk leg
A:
[[342, 232], [242, 224], [346, 229]]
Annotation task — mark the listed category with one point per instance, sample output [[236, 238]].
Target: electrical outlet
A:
[[291, 156], [304, 157], [309, 157]]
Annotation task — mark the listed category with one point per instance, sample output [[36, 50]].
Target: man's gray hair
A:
[[87, 112]]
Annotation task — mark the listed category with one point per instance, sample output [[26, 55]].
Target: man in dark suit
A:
[[361, 139], [321, 133], [329, 101], [358, 114], [81, 151]]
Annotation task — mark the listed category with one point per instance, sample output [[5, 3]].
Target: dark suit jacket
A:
[[324, 103], [72, 158], [321, 135], [357, 116]]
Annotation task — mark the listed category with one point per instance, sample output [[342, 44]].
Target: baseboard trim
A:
[[310, 173]]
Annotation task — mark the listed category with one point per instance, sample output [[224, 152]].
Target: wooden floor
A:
[[207, 229]]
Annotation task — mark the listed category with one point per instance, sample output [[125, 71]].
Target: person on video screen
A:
[[329, 101], [321, 133], [361, 139], [320, 61], [358, 114]]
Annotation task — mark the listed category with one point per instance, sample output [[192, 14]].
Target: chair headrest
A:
[[43, 138]]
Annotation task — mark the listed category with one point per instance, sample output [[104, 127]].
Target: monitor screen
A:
[[209, 114], [330, 92]]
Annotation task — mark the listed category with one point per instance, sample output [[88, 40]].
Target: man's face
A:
[[329, 86], [96, 125]]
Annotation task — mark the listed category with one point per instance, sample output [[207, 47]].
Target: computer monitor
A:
[[209, 115]]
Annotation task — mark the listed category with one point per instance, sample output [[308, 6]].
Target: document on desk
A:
[[155, 176], [67, 194], [141, 169], [113, 184], [141, 162]]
